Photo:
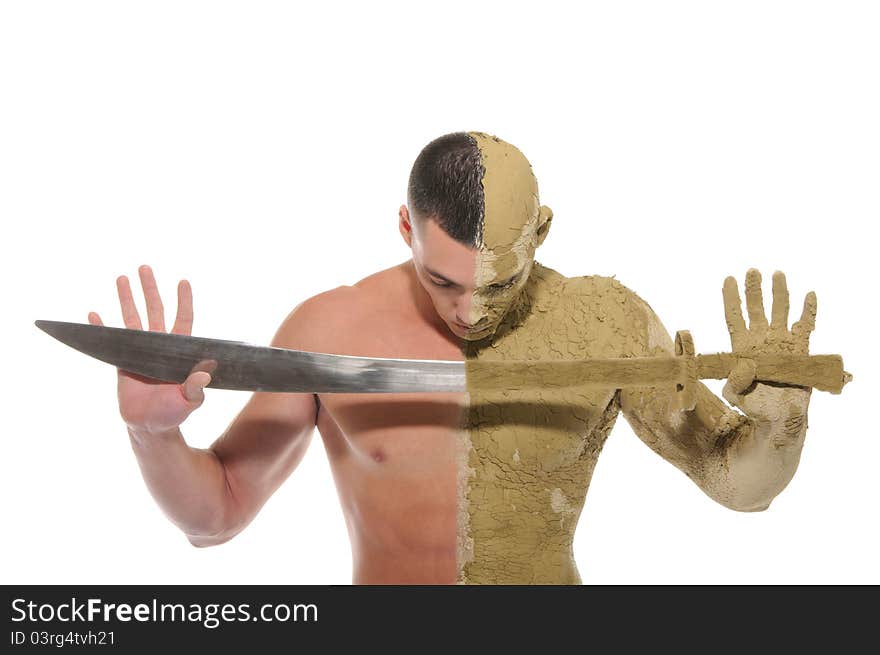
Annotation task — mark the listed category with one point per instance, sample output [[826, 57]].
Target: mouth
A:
[[472, 329]]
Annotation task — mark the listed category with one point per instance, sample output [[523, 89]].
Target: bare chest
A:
[[416, 430], [536, 430]]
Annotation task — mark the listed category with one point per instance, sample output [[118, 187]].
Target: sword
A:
[[242, 366]]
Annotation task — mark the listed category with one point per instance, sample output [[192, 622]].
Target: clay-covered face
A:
[[473, 288], [463, 283], [514, 224]]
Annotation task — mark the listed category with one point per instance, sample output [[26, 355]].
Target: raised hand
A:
[[762, 337], [147, 405]]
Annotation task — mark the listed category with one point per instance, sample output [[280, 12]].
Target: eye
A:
[[503, 285], [440, 283]]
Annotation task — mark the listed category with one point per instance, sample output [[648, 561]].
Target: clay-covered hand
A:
[[766, 401]]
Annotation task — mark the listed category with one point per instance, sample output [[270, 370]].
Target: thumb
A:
[[193, 388], [742, 375]]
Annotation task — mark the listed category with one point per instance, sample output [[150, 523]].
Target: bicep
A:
[[683, 437], [270, 435], [263, 446]]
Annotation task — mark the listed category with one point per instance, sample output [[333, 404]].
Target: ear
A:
[[404, 224], [545, 217]]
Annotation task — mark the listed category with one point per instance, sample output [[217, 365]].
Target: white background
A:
[[261, 150]]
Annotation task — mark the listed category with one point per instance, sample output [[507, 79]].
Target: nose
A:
[[469, 315], [462, 308]]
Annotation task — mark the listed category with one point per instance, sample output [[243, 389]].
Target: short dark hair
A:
[[446, 185]]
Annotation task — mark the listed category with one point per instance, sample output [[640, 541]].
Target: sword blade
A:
[[246, 367]]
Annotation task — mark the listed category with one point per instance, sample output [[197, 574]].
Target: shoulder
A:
[[602, 290], [323, 321], [308, 325], [604, 296], [599, 290], [619, 308], [579, 286]]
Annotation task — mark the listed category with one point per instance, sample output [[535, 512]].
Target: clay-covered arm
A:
[[741, 459]]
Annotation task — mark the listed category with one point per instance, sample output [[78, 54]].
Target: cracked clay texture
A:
[[526, 456], [532, 452]]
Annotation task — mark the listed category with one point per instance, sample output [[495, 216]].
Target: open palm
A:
[[770, 401], [146, 404]]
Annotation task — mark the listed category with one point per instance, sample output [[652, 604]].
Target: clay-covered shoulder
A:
[[616, 309], [598, 288], [320, 322]]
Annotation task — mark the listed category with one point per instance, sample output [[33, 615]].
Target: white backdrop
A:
[[262, 150]]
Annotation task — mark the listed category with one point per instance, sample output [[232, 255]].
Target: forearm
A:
[[752, 462], [189, 484]]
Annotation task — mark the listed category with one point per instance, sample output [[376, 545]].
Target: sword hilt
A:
[[822, 372], [687, 389]]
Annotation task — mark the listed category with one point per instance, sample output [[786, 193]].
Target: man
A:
[[485, 486]]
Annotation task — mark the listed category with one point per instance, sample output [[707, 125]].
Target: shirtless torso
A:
[[394, 456]]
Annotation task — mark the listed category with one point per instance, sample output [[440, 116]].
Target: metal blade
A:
[[246, 367]]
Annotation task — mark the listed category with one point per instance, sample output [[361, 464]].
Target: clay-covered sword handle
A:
[[822, 372], [687, 388]]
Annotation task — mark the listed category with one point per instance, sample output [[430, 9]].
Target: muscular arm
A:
[[742, 462], [212, 494]]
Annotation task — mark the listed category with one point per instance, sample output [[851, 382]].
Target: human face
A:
[[467, 294], [514, 225], [472, 288]]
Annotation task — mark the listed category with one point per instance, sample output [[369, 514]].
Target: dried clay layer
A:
[[533, 452]]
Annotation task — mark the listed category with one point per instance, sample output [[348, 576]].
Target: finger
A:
[[779, 313], [807, 323], [193, 388], [184, 320], [206, 365], [755, 300], [155, 310], [94, 319], [130, 317], [733, 311]]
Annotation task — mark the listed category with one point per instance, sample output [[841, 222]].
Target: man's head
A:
[[473, 223]]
